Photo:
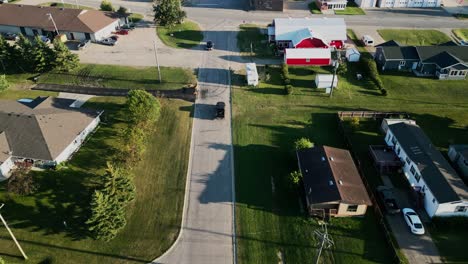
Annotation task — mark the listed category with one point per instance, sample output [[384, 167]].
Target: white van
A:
[[367, 40]]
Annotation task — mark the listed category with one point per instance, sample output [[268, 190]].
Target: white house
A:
[[408, 3], [458, 155], [76, 24], [352, 55], [44, 131], [444, 193]]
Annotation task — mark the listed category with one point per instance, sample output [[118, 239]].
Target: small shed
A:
[[252, 74], [306, 57], [325, 80], [352, 55]]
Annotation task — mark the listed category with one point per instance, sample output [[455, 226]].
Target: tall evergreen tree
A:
[[42, 55], [143, 108], [5, 54], [168, 12], [25, 48], [118, 183], [64, 60], [135, 142], [107, 217]]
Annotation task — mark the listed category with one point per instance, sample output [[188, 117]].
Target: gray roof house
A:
[[458, 155], [444, 192], [45, 130], [445, 61]]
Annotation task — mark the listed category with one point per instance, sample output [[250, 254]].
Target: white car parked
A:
[[413, 221]]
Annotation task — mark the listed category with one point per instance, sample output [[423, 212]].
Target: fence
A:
[[187, 94], [371, 114], [370, 190]]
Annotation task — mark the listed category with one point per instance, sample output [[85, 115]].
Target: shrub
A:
[[3, 83], [285, 70], [295, 177], [355, 122], [303, 143], [287, 81], [106, 6], [288, 89], [21, 182], [383, 91], [371, 69], [342, 69], [122, 10]]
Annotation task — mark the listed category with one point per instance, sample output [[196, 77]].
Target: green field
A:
[[125, 77], [186, 35], [267, 122], [135, 17], [461, 33], [65, 5], [251, 39], [351, 9], [414, 37], [153, 218]]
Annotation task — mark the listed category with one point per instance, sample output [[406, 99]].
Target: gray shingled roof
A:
[[319, 170], [390, 43], [44, 130], [400, 53], [440, 177]]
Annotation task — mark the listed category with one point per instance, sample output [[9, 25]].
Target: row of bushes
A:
[[288, 89], [117, 188], [371, 68]]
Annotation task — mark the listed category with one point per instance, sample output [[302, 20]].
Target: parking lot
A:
[[137, 49]]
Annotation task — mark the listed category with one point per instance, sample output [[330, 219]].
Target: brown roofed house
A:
[[76, 24], [332, 183], [45, 130]]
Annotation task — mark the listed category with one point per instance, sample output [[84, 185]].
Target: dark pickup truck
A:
[[387, 198]]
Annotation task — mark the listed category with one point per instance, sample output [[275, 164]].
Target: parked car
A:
[[108, 42], [413, 221], [114, 37], [220, 109], [44, 39], [11, 36], [464, 43], [129, 26], [83, 44], [121, 32], [209, 45], [387, 199], [367, 40]]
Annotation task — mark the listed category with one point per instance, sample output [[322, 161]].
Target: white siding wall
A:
[[448, 209], [78, 35], [6, 29], [105, 32], [6, 167], [409, 3], [366, 3], [76, 143]]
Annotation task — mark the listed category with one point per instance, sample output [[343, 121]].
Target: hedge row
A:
[[371, 68]]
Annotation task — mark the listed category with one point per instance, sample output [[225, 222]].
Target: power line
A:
[[11, 234]]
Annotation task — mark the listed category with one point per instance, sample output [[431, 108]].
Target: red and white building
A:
[[308, 57], [289, 33]]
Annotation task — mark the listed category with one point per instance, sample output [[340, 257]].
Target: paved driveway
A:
[[207, 233]]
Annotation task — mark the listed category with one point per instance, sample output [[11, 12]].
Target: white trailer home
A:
[[443, 191]]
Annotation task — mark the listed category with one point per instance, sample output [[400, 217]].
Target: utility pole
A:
[[335, 67], [12, 236], [251, 51], [325, 240], [55, 26], [157, 61]]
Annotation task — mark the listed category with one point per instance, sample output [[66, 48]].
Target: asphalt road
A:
[[207, 233]]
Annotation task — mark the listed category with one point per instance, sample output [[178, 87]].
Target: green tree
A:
[[168, 13], [118, 183], [42, 56], [355, 122], [295, 177], [106, 6], [342, 68], [4, 85], [107, 216], [122, 10], [303, 143], [25, 48], [5, 54], [135, 142], [143, 108], [64, 60]]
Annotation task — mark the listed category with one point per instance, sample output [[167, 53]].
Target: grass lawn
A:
[[186, 35], [250, 34], [414, 37], [65, 5], [267, 122], [461, 33], [153, 219], [112, 76], [314, 8], [135, 17], [351, 9], [450, 240]]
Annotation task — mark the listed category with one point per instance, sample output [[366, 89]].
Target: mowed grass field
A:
[[185, 35], [125, 77], [270, 222], [250, 39], [416, 37], [153, 218]]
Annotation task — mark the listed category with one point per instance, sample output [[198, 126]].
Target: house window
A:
[[433, 200], [352, 208], [307, 60], [461, 209], [394, 141], [412, 170], [418, 177], [408, 161], [398, 150], [402, 63], [453, 72]]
